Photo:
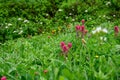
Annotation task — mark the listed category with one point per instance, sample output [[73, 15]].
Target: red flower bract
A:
[[69, 45], [82, 28], [4, 78], [78, 27], [65, 49], [116, 29], [83, 21], [62, 44]]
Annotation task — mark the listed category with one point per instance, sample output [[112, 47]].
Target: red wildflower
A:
[[69, 45], [78, 27], [4, 78], [82, 28], [83, 21], [65, 49], [116, 29], [62, 44]]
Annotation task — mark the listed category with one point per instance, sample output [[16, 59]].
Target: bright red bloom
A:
[[83, 21], [69, 45], [116, 29], [62, 44], [65, 49], [4, 78], [78, 27], [82, 28]]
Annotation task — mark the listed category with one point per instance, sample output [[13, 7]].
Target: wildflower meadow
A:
[[59, 40]]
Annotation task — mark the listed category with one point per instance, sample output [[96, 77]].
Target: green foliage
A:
[[44, 24], [48, 14]]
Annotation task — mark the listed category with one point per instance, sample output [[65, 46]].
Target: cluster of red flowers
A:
[[3, 78], [65, 48], [116, 30], [81, 29]]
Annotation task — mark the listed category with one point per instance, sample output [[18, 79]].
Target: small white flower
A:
[[105, 30], [47, 14], [114, 15], [6, 27], [70, 13], [73, 19], [9, 24], [41, 23], [19, 19], [66, 17], [14, 31], [90, 18], [108, 3], [105, 39], [26, 21], [60, 10], [20, 32], [86, 11], [101, 38], [94, 31], [98, 29]]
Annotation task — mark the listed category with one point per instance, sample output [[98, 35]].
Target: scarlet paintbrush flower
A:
[[4, 78], [62, 44], [78, 27], [65, 49], [116, 29], [83, 21], [82, 28], [69, 45]]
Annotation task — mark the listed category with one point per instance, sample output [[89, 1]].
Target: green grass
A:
[[31, 50], [26, 59]]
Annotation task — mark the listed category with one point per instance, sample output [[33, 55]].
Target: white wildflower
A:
[[14, 31], [98, 29], [101, 38], [90, 18], [86, 11], [6, 27], [73, 19], [70, 13], [47, 14], [60, 10], [20, 32], [114, 15], [66, 17], [105, 30], [108, 3], [19, 19], [9, 24], [26, 21], [105, 39], [94, 31], [41, 23]]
